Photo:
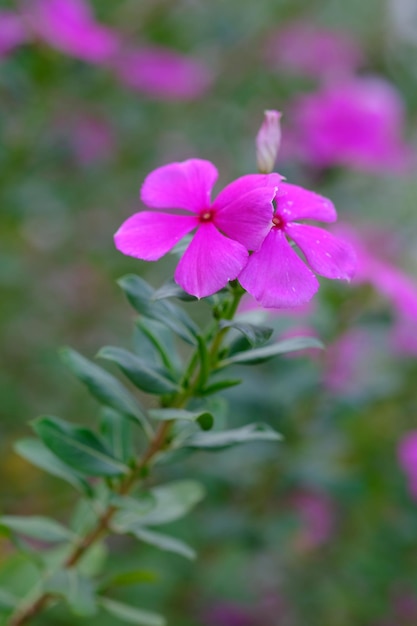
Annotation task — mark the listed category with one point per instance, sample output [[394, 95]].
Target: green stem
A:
[[201, 363]]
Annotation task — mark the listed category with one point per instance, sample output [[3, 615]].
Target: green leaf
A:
[[117, 431], [141, 295], [170, 289], [131, 614], [124, 579], [171, 502], [164, 542], [138, 505], [103, 386], [77, 591], [139, 372], [268, 352], [219, 386], [36, 527], [78, 447], [203, 418], [226, 438], [39, 455], [154, 340], [256, 335], [8, 600]]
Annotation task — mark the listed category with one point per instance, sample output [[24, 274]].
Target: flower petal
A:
[[248, 218], [186, 185], [149, 235], [295, 202], [327, 255], [163, 73], [276, 277], [209, 262], [243, 185]]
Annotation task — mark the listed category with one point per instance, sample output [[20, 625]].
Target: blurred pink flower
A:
[[228, 614], [69, 26], [407, 458], [92, 139], [391, 282], [317, 516], [357, 123], [308, 50], [275, 275], [163, 73], [12, 32], [242, 211], [346, 362]]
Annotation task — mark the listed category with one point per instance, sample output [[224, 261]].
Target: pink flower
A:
[[395, 285], [407, 458], [69, 26], [348, 362], [12, 32], [357, 123], [275, 275], [316, 512], [163, 73], [301, 48], [91, 138], [242, 211]]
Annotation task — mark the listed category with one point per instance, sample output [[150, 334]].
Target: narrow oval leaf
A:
[[171, 502], [8, 600], [219, 386], [76, 589], [256, 335], [39, 455], [153, 339], [36, 527], [203, 418], [268, 352], [131, 614], [226, 438], [141, 297], [164, 542], [170, 289], [103, 386], [139, 371], [135, 577], [78, 447], [117, 432]]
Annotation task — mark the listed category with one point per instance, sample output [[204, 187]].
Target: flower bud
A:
[[268, 141]]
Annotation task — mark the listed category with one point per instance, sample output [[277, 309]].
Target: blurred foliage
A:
[[57, 275]]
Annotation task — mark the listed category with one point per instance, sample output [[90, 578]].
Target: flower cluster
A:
[[70, 27], [243, 234], [348, 119]]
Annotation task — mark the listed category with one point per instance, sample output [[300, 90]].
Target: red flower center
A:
[[278, 222], [206, 215]]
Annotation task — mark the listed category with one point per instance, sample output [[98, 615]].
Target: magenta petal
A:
[[209, 262], [149, 236], [326, 254], [163, 73], [294, 203], [243, 185], [248, 218], [276, 277], [186, 185]]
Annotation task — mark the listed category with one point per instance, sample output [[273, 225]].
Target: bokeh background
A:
[[322, 528]]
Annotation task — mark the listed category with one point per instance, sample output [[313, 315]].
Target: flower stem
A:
[[196, 374]]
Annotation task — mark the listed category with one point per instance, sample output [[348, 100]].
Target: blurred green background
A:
[[318, 530]]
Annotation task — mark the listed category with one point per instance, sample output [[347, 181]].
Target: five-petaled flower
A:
[[242, 219], [227, 228], [275, 275]]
